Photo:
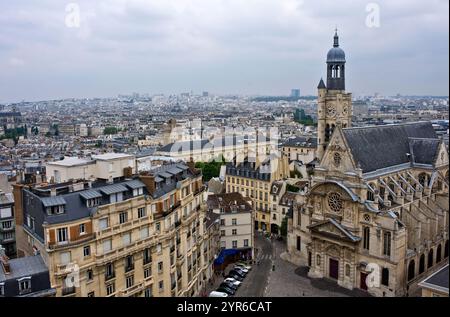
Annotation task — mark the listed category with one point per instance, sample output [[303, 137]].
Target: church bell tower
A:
[[334, 105]]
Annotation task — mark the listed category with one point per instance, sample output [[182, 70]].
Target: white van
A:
[[217, 294]]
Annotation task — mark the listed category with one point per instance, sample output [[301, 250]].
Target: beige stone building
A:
[[436, 285], [143, 236], [254, 180], [236, 221], [372, 209], [376, 215]]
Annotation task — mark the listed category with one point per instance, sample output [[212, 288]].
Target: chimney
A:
[[149, 181], [4, 261], [191, 165], [53, 191], [128, 172], [18, 204]]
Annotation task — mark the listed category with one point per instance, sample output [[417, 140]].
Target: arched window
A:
[[370, 195], [422, 264], [430, 258], [422, 179], [446, 250], [347, 270], [366, 238], [385, 276], [382, 192], [411, 270], [438, 254], [318, 260], [327, 133]]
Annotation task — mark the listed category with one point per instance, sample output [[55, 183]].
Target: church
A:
[[376, 215]]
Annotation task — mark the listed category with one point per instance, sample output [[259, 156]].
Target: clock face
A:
[[331, 111]]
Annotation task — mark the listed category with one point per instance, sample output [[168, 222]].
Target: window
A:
[[234, 232], [222, 222], [158, 227], [222, 233], [234, 221], [366, 238], [148, 292], [89, 275], [159, 248], [144, 232], [385, 276], [299, 218], [142, 212], [110, 289], [160, 267], [91, 294], [109, 271], [335, 202], [387, 244], [86, 251], [123, 217], [147, 258], [62, 235], [5, 212], [7, 224], [129, 263], [299, 243], [274, 217], [93, 202], [161, 286], [129, 281], [147, 272], [126, 238], [245, 242], [107, 245], [235, 244], [82, 229], [24, 285], [103, 223], [318, 260]]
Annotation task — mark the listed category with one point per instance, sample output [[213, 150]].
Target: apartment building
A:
[[254, 180], [228, 147], [301, 148], [142, 236], [236, 221], [7, 226], [108, 166]]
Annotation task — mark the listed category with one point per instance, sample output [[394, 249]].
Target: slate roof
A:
[[90, 194], [301, 141], [53, 201], [437, 281], [134, 184], [24, 267], [113, 189], [424, 151], [379, 147]]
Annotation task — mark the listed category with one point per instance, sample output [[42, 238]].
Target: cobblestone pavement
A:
[[289, 280]]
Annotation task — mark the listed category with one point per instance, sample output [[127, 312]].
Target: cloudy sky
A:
[[222, 46]]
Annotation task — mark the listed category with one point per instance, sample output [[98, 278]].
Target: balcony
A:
[[110, 276], [177, 223], [68, 291], [66, 244]]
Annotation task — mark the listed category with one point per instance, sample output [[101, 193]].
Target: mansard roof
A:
[[378, 147]]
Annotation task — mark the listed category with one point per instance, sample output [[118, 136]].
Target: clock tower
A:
[[334, 105]]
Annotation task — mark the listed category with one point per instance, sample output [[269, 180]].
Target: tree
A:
[[110, 130]]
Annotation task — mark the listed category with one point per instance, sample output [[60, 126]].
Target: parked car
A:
[[226, 290], [235, 277], [240, 268], [245, 266], [237, 272], [232, 280], [229, 285], [217, 294]]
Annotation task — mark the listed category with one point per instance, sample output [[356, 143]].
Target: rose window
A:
[[335, 202]]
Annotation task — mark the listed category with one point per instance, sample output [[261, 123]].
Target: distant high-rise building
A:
[[205, 94], [295, 93]]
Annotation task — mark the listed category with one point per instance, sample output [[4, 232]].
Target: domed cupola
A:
[[336, 66]]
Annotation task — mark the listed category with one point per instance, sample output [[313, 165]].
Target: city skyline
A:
[[268, 48]]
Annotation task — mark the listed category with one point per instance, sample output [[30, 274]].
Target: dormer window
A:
[[24, 285], [138, 192], [92, 202], [55, 210]]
